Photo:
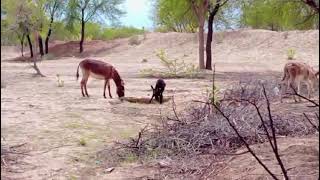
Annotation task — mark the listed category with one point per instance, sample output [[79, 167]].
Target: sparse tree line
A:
[[21, 18], [194, 15]]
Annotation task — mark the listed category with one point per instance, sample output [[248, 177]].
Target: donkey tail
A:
[[77, 75]]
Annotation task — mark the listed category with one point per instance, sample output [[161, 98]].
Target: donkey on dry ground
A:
[[158, 91], [99, 70], [294, 73]]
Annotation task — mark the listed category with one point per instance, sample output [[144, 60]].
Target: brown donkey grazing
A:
[[294, 73], [158, 90], [99, 70]]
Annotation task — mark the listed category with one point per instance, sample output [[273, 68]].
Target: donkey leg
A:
[[309, 87], [299, 91], [109, 89], [104, 89], [85, 88], [81, 85], [151, 98], [161, 98]]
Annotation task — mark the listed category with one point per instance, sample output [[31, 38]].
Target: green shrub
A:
[[120, 32], [290, 54], [82, 142], [213, 95], [219, 37], [174, 68], [134, 40], [49, 56]]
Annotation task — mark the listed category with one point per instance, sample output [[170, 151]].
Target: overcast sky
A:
[[138, 14]]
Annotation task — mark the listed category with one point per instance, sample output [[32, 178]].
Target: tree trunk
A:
[[209, 41], [201, 46], [40, 45], [48, 36], [21, 42], [37, 37], [82, 31], [30, 45], [210, 34]]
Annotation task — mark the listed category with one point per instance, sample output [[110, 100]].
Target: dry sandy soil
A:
[[50, 121]]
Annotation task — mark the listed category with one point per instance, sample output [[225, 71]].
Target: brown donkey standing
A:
[[99, 70], [294, 73]]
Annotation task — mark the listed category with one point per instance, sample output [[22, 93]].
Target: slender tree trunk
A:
[[82, 30], [40, 45], [210, 34], [48, 36], [35, 66], [209, 41], [201, 45], [21, 42], [30, 45]]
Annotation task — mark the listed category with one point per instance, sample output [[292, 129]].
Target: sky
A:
[[138, 14]]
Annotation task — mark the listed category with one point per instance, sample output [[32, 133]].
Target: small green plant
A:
[[290, 54], [219, 38], [82, 142], [134, 40], [49, 56], [60, 82], [174, 68], [213, 95], [130, 158]]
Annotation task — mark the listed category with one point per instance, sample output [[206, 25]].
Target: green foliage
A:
[[119, 32], [219, 37], [213, 95], [93, 11], [174, 68], [290, 54], [82, 142], [278, 15], [134, 40], [175, 15]]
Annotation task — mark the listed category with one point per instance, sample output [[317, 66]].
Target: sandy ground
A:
[[51, 120]]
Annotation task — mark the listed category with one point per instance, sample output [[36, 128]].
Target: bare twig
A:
[[313, 125], [275, 149], [245, 142], [303, 97], [18, 145], [174, 110]]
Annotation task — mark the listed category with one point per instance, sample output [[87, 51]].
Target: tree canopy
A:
[[278, 15]]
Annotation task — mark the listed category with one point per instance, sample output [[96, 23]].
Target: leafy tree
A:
[[278, 15], [175, 15], [24, 16], [213, 10], [53, 9], [200, 8], [87, 10]]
